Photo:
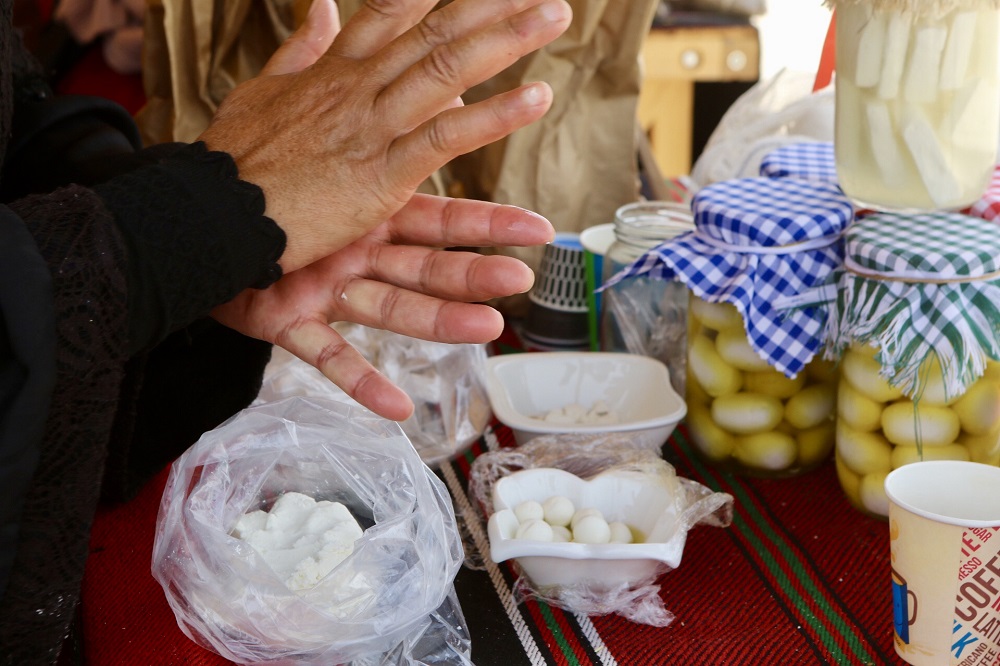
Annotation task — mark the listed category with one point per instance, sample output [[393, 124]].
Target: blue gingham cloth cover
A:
[[808, 160], [949, 306], [749, 213]]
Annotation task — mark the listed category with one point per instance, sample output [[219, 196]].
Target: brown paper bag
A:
[[576, 166], [196, 51]]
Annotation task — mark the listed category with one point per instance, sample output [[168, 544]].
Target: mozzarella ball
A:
[[529, 510], [558, 510], [592, 529], [561, 534], [534, 530], [620, 532], [583, 513]]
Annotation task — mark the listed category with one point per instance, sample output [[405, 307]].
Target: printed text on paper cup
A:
[[976, 629]]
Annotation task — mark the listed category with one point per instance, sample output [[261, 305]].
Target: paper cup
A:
[[944, 531], [595, 240]]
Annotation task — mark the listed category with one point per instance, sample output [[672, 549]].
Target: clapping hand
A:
[[395, 278], [340, 129]]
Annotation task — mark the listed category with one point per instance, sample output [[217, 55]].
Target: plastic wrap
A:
[[392, 601], [587, 457], [445, 381]]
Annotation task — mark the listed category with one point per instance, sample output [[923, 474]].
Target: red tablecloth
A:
[[799, 578]]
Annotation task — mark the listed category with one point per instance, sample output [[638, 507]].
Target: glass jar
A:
[[917, 102], [758, 401], [920, 372], [745, 415], [641, 314]]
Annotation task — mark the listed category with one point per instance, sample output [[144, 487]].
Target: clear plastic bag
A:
[[392, 601], [587, 456], [445, 381], [774, 112]]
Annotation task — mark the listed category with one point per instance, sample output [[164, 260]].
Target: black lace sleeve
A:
[[196, 236]]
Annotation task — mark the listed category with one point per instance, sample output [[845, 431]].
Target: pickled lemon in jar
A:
[[917, 101], [760, 401], [919, 348]]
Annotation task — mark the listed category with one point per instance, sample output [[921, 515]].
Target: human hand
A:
[[394, 278], [340, 129]]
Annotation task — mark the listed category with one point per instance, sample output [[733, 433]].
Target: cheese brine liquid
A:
[[917, 104]]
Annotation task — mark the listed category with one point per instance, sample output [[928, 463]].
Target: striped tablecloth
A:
[[798, 578]]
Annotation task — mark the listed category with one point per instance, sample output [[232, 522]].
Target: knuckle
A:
[[435, 29], [382, 7], [439, 137], [329, 352], [442, 66]]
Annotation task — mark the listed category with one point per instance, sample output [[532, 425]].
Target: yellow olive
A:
[[863, 452], [735, 349], [979, 409], [773, 383], [872, 493], [858, 410], [715, 375], [904, 455], [714, 442], [719, 316], [771, 451], [747, 413], [905, 424], [982, 448], [816, 444], [862, 371], [811, 406]]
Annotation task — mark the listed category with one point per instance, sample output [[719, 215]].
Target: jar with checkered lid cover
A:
[[916, 327], [759, 400], [917, 101]]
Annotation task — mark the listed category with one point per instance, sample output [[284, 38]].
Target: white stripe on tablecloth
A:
[[590, 631], [475, 528]]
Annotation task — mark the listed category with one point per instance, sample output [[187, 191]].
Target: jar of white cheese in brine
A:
[[917, 101]]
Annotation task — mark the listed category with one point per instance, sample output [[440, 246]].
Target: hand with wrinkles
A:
[[339, 133], [340, 129], [393, 278]]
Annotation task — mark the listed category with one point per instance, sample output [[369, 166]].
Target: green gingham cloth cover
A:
[[755, 240], [955, 315]]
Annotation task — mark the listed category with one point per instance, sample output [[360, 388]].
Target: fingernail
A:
[[554, 11]]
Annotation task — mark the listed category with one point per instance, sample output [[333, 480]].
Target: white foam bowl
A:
[[647, 503], [524, 387]]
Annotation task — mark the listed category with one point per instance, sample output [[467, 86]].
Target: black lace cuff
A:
[[196, 235]]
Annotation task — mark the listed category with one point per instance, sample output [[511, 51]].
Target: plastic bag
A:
[[774, 112], [392, 601], [445, 381], [586, 456]]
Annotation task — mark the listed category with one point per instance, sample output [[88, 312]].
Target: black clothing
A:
[[110, 261]]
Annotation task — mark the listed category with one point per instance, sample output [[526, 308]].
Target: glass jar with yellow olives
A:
[[759, 399], [917, 328]]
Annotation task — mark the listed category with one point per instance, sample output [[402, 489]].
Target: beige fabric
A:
[[199, 50]]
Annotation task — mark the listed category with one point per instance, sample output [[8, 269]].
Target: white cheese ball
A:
[[558, 510], [561, 534], [534, 530], [580, 514], [529, 510], [620, 532], [592, 529]]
